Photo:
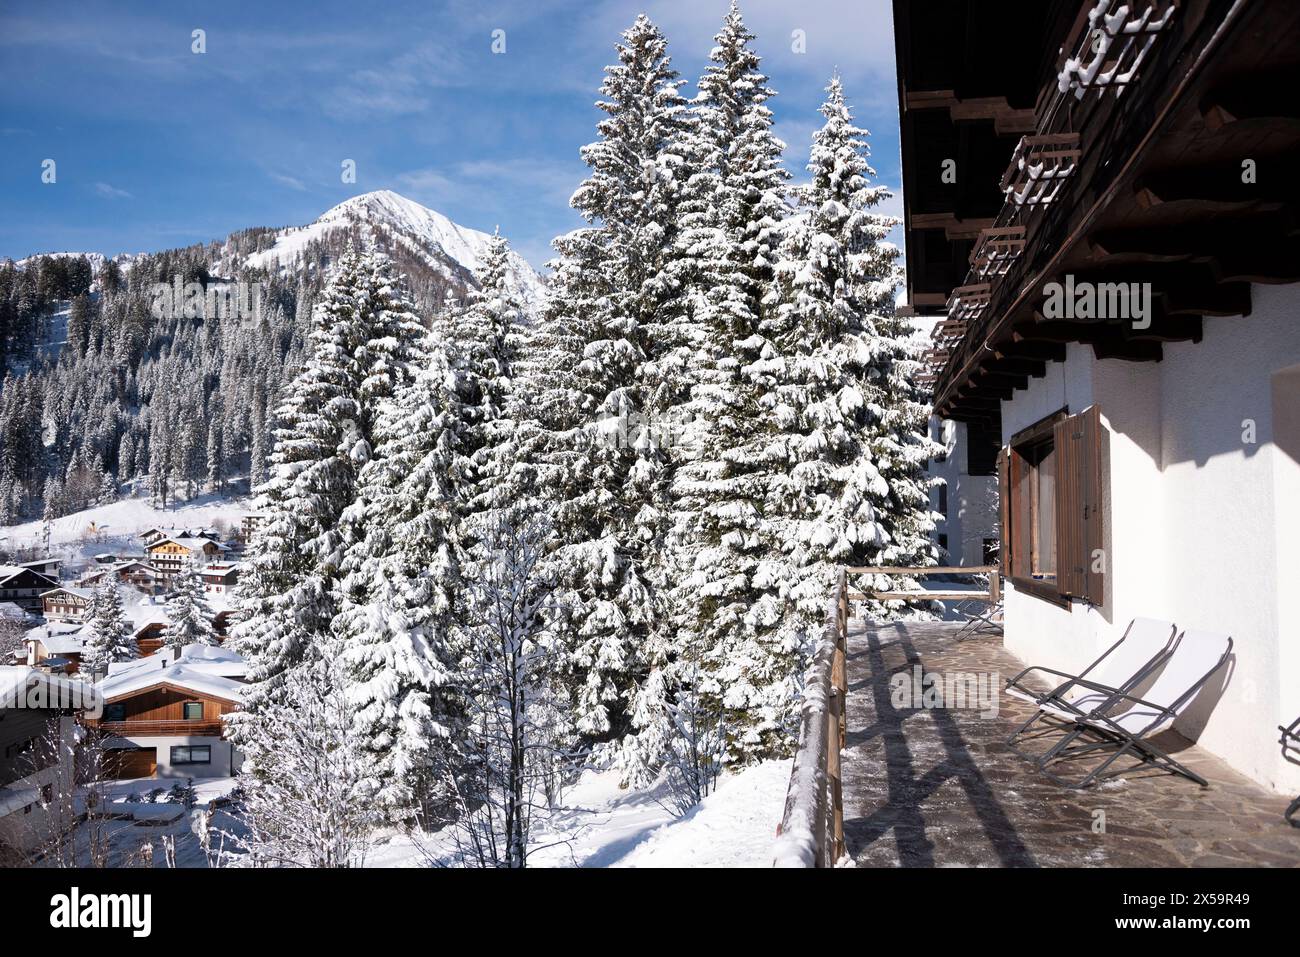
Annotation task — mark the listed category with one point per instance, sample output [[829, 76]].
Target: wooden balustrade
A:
[[128, 729], [992, 594], [811, 833]]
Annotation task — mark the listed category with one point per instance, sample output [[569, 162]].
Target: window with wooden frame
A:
[[1050, 487]]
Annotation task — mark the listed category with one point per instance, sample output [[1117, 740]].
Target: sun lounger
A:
[[1291, 747], [1146, 642], [1119, 717]]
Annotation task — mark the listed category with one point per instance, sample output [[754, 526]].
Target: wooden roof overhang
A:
[[1154, 195], [967, 92], [165, 685]]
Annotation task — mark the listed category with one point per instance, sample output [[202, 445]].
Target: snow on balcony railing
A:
[[1039, 166], [996, 249], [811, 833], [1110, 50], [968, 302]]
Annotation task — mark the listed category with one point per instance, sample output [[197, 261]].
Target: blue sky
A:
[[157, 146]]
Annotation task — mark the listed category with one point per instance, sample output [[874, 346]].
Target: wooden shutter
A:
[[1079, 519], [1019, 478], [1004, 522]]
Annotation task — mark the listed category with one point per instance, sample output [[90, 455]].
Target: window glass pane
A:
[[200, 754], [1045, 476], [193, 711]]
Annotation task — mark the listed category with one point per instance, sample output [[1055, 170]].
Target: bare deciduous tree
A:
[[512, 742]]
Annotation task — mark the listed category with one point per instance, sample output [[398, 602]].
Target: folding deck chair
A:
[[1122, 717], [1145, 644], [1291, 746], [983, 615]]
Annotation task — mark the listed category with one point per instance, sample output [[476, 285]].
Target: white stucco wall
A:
[[972, 513], [226, 759], [1201, 524]]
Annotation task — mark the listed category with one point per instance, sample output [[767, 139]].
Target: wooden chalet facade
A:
[[220, 578], [24, 586], [1101, 215], [65, 604], [172, 556], [142, 576]]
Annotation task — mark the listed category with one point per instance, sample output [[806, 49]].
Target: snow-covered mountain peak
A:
[[412, 219], [418, 227]]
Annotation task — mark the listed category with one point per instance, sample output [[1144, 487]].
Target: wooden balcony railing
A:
[[128, 729], [811, 833], [991, 594]]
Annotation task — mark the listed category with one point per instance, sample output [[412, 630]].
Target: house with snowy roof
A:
[[46, 566], [24, 586], [220, 578], [66, 603], [56, 646], [174, 554], [140, 575], [163, 714]]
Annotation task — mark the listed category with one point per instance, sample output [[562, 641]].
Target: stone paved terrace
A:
[[925, 788]]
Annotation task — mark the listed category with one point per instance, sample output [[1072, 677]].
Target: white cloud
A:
[[291, 181], [111, 192]]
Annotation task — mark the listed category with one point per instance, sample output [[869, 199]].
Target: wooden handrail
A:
[[992, 594], [928, 570], [811, 833]]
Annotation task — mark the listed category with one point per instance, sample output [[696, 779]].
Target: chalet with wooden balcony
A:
[[173, 555], [220, 578], [140, 575], [66, 603], [162, 714], [1102, 217], [23, 586]]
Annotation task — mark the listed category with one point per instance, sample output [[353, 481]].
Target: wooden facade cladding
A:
[[160, 710], [164, 702]]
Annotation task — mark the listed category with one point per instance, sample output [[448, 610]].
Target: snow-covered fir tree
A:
[[612, 311], [403, 573], [109, 634], [846, 423], [189, 616], [721, 485], [362, 343], [486, 343]]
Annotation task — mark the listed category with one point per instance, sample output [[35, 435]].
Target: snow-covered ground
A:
[[140, 821], [116, 528], [600, 824]]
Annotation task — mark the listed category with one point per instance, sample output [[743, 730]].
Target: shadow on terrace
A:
[[938, 786]]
